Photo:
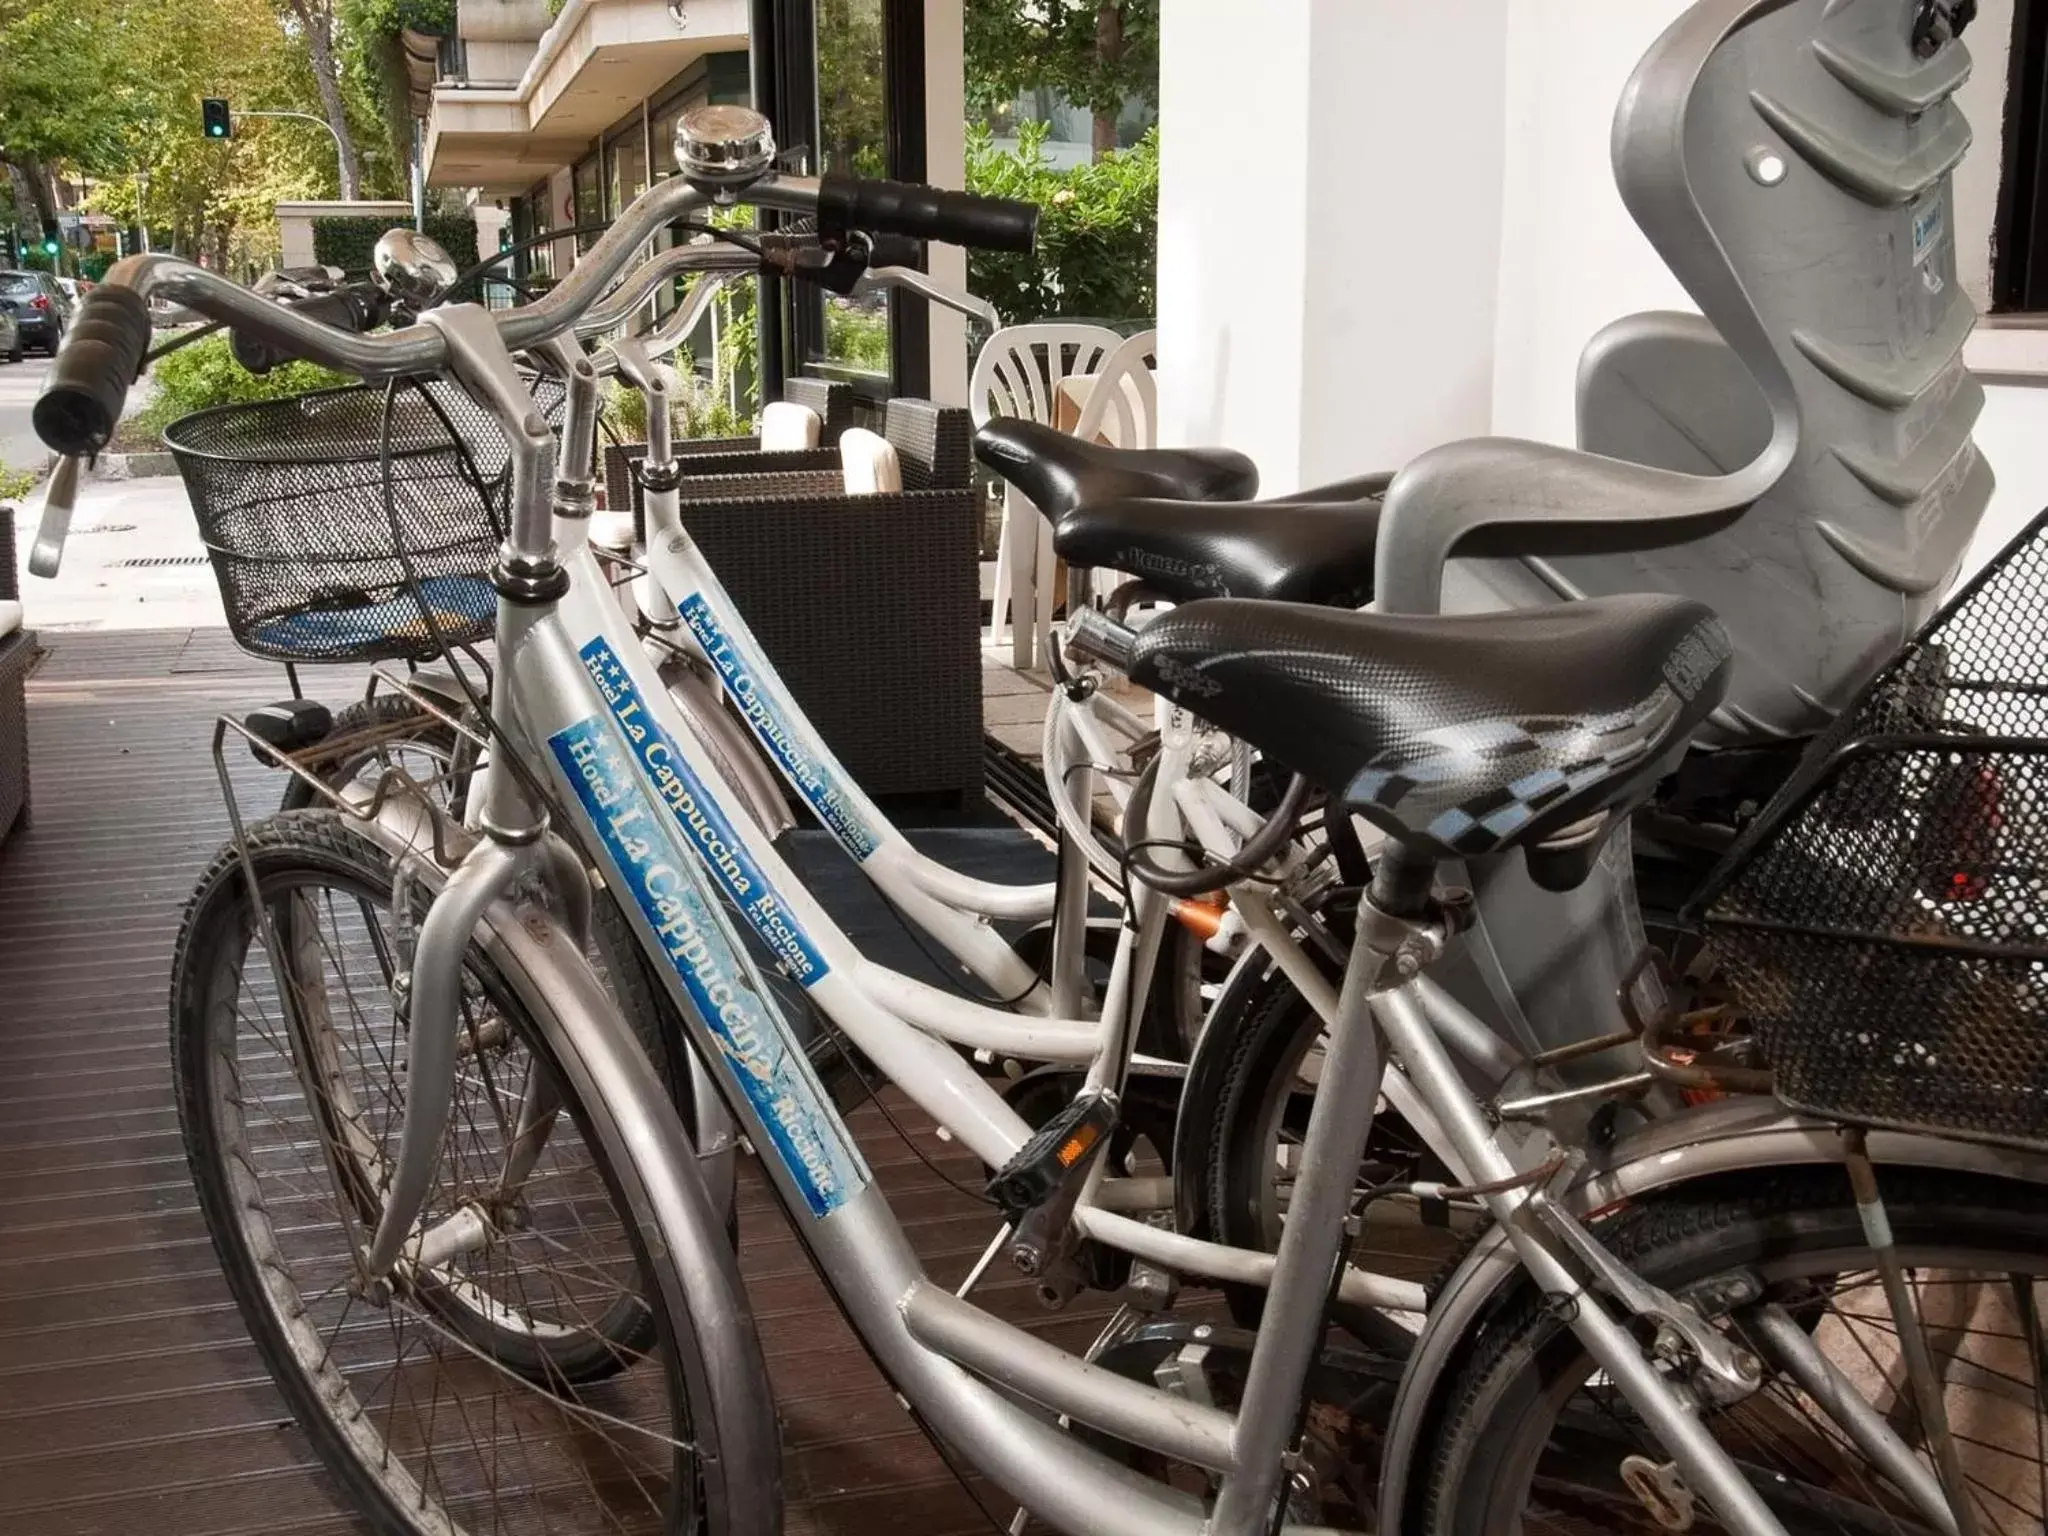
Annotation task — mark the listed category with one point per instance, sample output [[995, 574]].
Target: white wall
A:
[[1571, 257], [1233, 179], [1400, 226], [1402, 261], [1982, 100], [1292, 264]]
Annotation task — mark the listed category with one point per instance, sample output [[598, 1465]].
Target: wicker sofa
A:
[[869, 606], [17, 646]]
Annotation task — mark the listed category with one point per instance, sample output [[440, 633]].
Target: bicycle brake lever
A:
[[58, 502]]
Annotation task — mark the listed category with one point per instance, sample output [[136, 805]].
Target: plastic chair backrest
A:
[[1790, 161], [1123, 402], [1019, 369]]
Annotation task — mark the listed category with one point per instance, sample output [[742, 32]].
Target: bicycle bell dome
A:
[[723, 145], [413, 268]]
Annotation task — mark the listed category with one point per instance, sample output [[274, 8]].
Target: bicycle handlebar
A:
[[88, 386]]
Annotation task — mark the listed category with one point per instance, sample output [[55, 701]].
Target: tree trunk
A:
[[1109, 49], [316, 22], [32, 176]]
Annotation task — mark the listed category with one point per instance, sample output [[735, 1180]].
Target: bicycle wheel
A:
[[391, 731], [529, 1370], [1537, 1436], [1244, 1114]]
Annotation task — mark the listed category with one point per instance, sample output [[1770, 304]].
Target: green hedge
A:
[[206, 374], [348, 242]]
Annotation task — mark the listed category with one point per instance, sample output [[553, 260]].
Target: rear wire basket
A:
[[1884, 924], [289, 496]]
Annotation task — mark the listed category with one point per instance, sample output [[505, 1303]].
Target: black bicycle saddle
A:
[[1458, 735], [1183, 521]]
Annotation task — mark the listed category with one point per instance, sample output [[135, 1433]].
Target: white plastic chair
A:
[[1018, 373], [1122, 409]]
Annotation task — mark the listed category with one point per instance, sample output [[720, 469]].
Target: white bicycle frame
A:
[[683, 597]]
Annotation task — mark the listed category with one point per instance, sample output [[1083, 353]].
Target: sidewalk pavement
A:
[[134, 561]]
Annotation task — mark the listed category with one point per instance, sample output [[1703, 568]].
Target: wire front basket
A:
[[290, 499], [1884, 924]]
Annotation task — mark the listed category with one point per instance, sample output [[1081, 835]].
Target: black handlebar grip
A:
[[88, 384], [358, 307], [925, 213], [895, 251]]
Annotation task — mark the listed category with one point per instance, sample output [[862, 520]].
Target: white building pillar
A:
[[1329, 228], [945, 161]]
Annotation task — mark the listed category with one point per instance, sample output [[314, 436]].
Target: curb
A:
[[133, 466]]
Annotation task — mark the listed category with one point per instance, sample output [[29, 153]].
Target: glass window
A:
[[625, 169], [540, 260], [589, 194], [853, 142]]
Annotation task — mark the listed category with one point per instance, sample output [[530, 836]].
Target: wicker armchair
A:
[[834, 404], [869, 606], [16, 649]]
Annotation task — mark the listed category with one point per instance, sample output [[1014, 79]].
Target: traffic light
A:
[[53, 239], [213, 112]]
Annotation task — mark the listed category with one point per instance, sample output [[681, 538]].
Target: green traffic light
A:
[[50, 247]]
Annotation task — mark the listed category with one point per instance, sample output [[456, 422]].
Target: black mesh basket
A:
[[1884, 923], [289, 495]]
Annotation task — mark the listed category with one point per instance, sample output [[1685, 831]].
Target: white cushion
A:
[[10, 618], [869, 463], [787, 427], [612, 530]]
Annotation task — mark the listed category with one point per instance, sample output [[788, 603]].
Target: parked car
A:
[[41, 307], [10, 332]]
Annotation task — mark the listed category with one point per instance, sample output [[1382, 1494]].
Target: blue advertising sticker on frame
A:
[[768, 1065], [817, 781], [711, 836]]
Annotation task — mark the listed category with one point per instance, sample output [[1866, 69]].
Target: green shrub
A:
[[206, 374], [857, 337], [347, 242], [1098, 230], [15, 483]]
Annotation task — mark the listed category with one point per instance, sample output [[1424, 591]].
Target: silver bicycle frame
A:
[[596, 733], [580, 696]]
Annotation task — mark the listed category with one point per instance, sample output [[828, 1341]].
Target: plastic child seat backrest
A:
[[1790, 161], [1019, 369], [1123, 402], [869, 463], [786, 426], [1830, 571]]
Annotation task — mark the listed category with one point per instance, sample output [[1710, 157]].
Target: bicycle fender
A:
[[1725, 1136], [727, 1378]]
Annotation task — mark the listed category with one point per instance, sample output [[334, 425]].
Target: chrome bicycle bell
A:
[[412, 268], [723, 146]]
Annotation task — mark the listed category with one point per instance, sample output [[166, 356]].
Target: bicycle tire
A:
[[262, 1258], [1523, 1361]]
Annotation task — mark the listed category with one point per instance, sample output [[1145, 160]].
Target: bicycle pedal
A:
[[1057, 1153]]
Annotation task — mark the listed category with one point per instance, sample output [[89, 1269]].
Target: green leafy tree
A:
[[1098, 230], [850, 123], [1096, 53], [66, 97]]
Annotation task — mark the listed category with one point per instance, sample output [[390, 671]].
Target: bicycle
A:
[[576, 702]]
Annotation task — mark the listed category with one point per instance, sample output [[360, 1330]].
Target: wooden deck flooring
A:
[[130, 1399]]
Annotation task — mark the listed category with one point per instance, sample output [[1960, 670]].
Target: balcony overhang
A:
[[598, 59]]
